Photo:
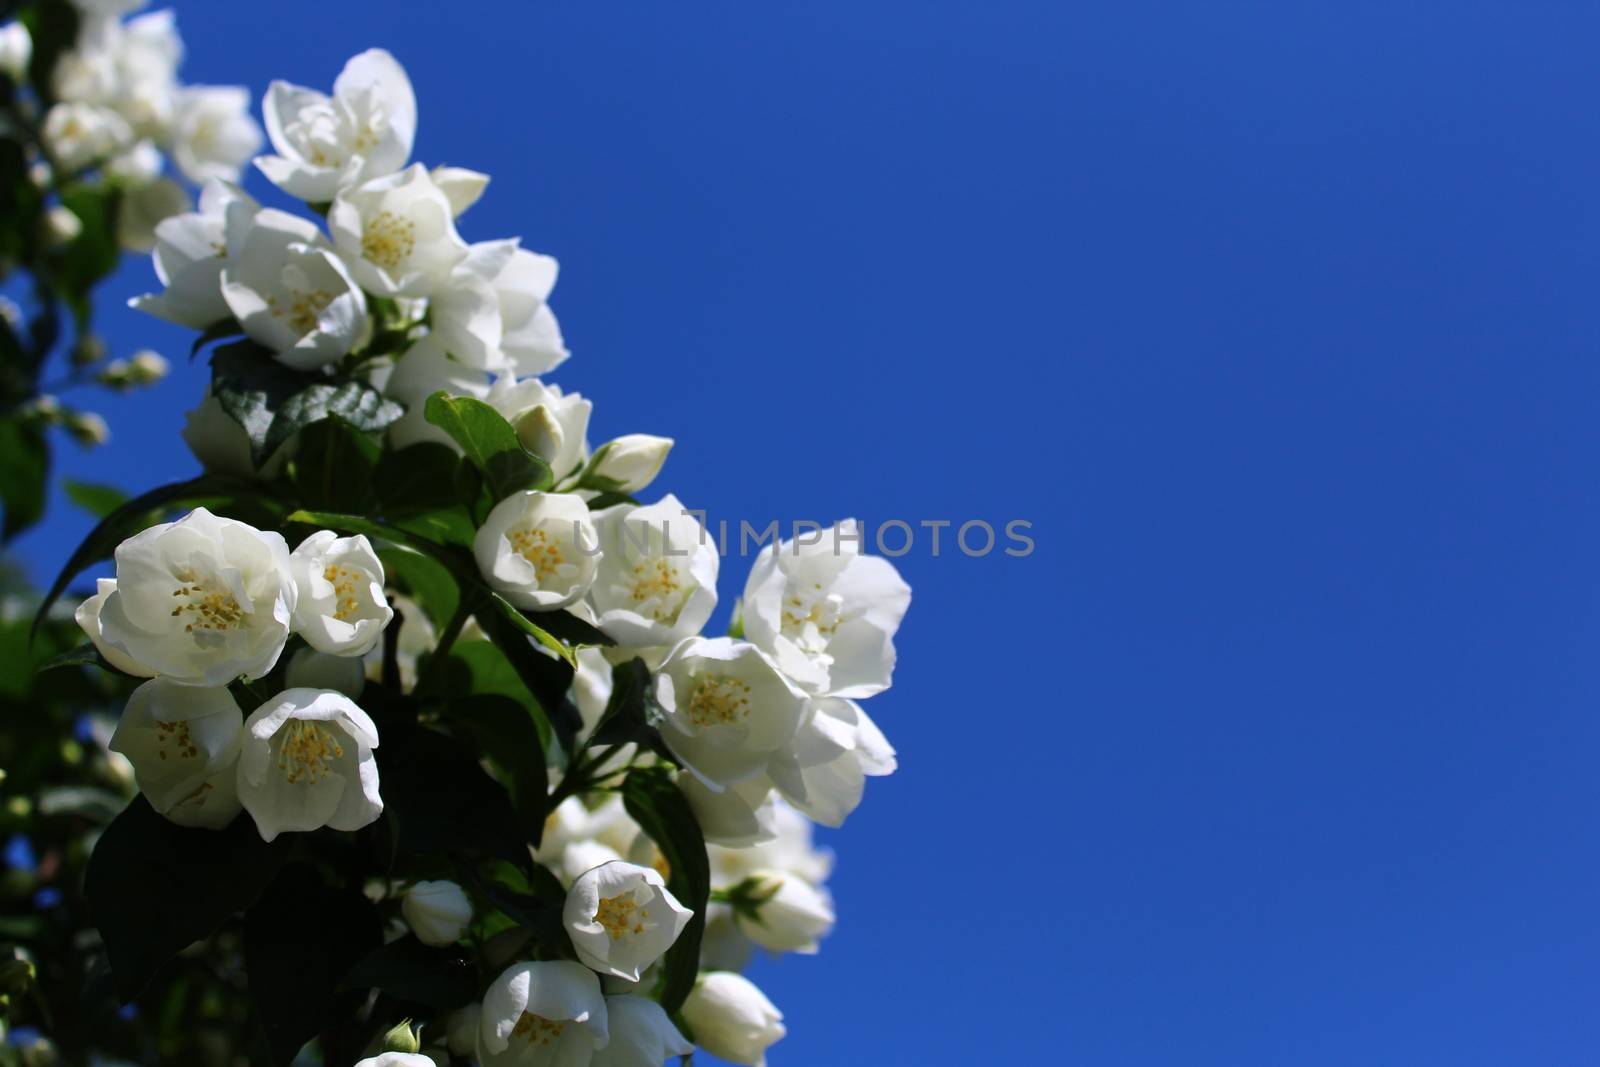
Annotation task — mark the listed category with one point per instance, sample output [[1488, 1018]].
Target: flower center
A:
[[537, 1030], [389, 240], [621, 915], [178, 734], [719, 701], [344, 590], [532, 545], [300, 308], [308, 751], [658, 589], [811, 617], [205, 608]]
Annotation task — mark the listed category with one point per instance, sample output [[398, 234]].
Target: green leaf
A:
[[54, 29], [572, 629], [424, 579], [273, 402], [334, 466], [94, 253], [490, 444], [628, 715], [85, 655], [451, 559], [24, 472], [532, 629], [154, 887], [547, 677], [443, 803], [538, 913], [655, 803], [134, 516], [439, 978], [300, 939], [97, 500], [417, 478], [217, 331], [606, 500], [509, 737]]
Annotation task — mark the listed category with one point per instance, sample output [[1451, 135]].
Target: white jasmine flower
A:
[[325, 144], [641, 1034], [657, 582], [16, 51], [183, 742], [792, 918], [291, 293], [632, 461], [136, 166], [341, 608], [425, 369], [550, 424], [728, 709], [539, 550], [737, 816], [462, 1030], [838, 747], [547, 1013], [621, 918], [530, 336], [80, 135], [216, 439], [493, 313], [437, 912], [792, 850], [310, 669], [109, 7], [202, 600], [826, 613], [191, 250], [733, 1019], [144, 208], [462, 187], [307, 762], [584, 854], [397, 1059], [88, 618], [213, 134], [397, 234]]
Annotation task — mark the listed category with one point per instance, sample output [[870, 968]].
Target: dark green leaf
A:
[[439, 978], [273, 402], [571, 629], [54, 29], [527, 625], [451, 559], [539, 913], [424, 579], [509, 737], [627, 717], [24, 472], [153, 887], [490, 444], [442, 802], [94, 252], [659, 808], [606, 500], [417, 478], [547, 677], [97, 500], [217, 331], [300, 939], [132, 517], [334, 466], [85, 655]]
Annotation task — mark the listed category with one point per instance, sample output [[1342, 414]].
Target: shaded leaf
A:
[[334, 466], [441, 978], [24, 472], [442, 802], [661, 811], [509, 737], [490, 444], [97, 500], [217, 331], [526, 624]]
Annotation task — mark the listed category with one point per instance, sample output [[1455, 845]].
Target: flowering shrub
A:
[[426, 725]]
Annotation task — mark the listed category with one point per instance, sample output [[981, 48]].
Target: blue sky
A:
[[1276, 320]]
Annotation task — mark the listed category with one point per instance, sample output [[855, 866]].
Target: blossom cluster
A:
[[760, 732]]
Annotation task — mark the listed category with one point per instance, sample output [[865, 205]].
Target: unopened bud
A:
[[88, 348], [87, 428], [147, 367], [61, 225], [402, 1038], [16, 51]]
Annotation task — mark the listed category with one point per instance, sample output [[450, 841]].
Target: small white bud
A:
[[61, 225], [88, 429], [632, 461], [437, 912], [16, 51], [147, 367]]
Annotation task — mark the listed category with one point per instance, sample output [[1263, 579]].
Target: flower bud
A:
[[147, 367], [788, 914], [87, 428], [87, 349], [61, 226], [632, 461], [16, 51], [437, 912], [731, 1018], [136, 167], [401, 1038]]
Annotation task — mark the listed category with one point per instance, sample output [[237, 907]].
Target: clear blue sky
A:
[[1278, 320]]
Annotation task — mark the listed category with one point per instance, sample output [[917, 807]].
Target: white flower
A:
[[462, 187], [733, 1019], [538, 1014], [416, 638], [826, 613], [291, 293], [213, 134], [183, 742], [88, 618], [621, 918], [325, 144], [341, 609], [191, 250], [437, 912], [728, 709], [550, 424], [61, 226], [794, 915], [307, 763], [657, 582], [837, 748], [583, 855], [145, 208], [80, 135], [641, 1034], [109, 7], [530, 336], [792, 850], [397, 234], [465, 311], [539, 550], [425, 369], [632, 461], [202, 600], [128, 67], [397, 1059], [136, 166], [736, 817], [462, 1030], [16, 51], [310, 669]]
